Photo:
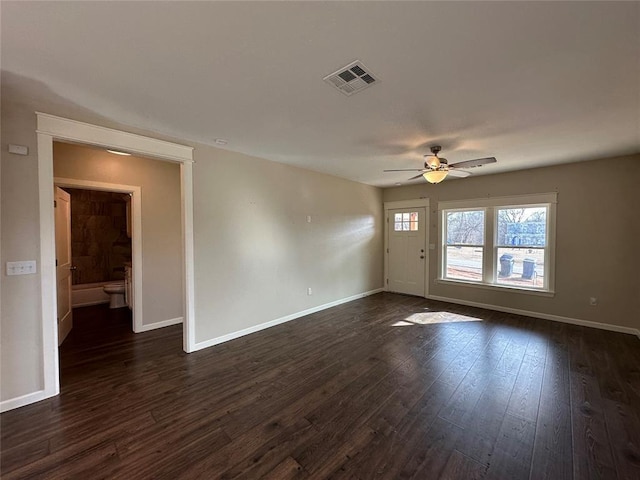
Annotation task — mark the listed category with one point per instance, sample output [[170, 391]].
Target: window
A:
[[521, 238], [499, 242], [464, 244], [405, 222]]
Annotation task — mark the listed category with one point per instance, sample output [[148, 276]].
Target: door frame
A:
[[417, 203], [50, 128], [136, 234]]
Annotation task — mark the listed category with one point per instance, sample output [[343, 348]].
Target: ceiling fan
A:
[[436, 168]]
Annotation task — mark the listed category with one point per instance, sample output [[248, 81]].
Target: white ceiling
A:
[[530, 83]]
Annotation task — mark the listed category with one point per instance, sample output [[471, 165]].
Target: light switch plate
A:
[[21, 268], [18, 149]]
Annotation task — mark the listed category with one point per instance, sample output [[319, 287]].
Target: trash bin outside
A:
[[528, 268], [506, 265]]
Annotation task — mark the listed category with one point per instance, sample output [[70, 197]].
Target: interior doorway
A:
[[50, 128], [135, 222], [406, 247]]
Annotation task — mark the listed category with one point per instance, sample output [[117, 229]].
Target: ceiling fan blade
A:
[[478, 162], [458, 173], [413, 178], [407, 170]]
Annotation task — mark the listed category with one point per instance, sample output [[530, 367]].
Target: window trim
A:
[[443, 249], [490, 206]]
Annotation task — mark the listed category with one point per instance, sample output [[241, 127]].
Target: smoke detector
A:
[[352, 78]]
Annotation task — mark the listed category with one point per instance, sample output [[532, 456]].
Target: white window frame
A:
[[443, 263], [490, 205]]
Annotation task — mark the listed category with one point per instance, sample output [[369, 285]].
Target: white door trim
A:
[[417, 203], [50, 128], [136, 233]]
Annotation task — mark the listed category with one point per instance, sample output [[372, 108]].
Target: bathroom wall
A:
[[99, 242]]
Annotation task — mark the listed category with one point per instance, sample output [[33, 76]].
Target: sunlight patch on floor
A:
[[428, 318]]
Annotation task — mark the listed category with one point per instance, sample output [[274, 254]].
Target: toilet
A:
[[115, 291]]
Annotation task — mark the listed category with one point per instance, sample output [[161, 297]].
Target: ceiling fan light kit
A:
[[435, 176], [436, 169]]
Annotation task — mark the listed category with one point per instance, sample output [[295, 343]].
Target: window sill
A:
[[499, 288]]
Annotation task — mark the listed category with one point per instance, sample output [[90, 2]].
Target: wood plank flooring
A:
[[388, 386]]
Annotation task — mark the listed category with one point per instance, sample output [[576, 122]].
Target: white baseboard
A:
[[164, 323], [278, 321], [545, 316], [33, 397], [23, 400]]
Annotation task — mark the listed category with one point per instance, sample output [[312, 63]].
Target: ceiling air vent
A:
[[352, 78]]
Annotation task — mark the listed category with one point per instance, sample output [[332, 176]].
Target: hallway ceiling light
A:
[[116, 152]]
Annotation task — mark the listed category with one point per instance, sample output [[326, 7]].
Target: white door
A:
[[407, 254], [63, 262]]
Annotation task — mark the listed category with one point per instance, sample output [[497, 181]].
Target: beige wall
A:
[[20, 309], [161, 221], [255, 254], [597, 245]]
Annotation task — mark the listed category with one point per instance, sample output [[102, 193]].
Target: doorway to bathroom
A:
[[101, 235], [50, 129]]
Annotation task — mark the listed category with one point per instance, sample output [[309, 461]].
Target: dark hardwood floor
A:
[[384, 387]]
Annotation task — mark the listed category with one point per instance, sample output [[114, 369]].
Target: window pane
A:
[[414, 221], [522, 226], [464, 263], [521, 267], [465, 227], [398, 227], [405, 217], [405, 226], [398, 217]]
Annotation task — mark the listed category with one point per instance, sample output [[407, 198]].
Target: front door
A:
[[63, 262], [407, 256]]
